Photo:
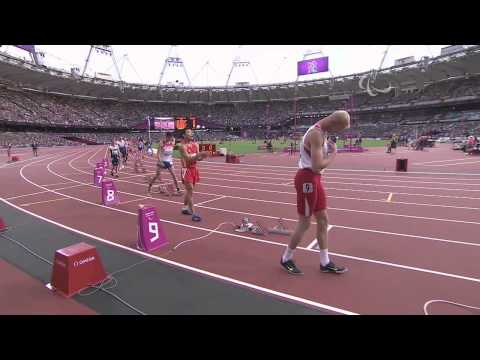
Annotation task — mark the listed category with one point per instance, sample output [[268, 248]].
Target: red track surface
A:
[[22, 294], [422, 245]]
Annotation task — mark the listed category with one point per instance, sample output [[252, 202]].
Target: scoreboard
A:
[[174, 123], [184, 122], [212, 148]]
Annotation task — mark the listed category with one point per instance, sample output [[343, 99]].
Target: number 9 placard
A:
[[150, 231]]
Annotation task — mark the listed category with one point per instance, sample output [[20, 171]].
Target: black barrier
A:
[[402, 164]]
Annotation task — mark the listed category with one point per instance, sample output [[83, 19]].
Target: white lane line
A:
[[342, 209], [355, 190], [191, 268], [327, 179], [43, 202], [266, 241], [174, 263], [454, 164], [358, 176], [207, 201], [294, 220], [61, 183], [314, 243], [437, 161], [43, 157], [43, 192], [272, 242], [130, 201], [344, 170]]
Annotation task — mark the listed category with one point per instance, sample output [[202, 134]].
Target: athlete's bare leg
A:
[[322, 229], [174, 178], [302, 226], [188, 199], [158, 175]]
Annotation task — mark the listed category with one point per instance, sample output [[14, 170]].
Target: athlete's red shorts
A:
[[190, 175], [311, 195]]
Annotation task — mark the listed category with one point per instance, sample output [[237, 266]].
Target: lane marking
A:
[[207, 201], [358, 176], [272, 242], [61, 183], [454, 164], [336, 197], [43, 202], [437, 161], [287, 219], [314, 243], [390, 198], [130, 201], [180, 265], [43, 192], [343, 170], [334, 208], [191, 268]]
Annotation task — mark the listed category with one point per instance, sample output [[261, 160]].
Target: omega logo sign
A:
[[83, 261]]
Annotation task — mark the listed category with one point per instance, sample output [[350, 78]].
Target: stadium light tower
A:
[[173, 61], [126, 59], [103, 50], [238, 63], [205, 68]]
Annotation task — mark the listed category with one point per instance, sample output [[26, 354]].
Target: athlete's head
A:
[[335, 122], [188, 135], [169, 136]]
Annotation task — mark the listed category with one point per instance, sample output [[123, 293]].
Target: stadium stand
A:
[[447, 104]]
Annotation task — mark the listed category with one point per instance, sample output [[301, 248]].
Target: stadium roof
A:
[[20, 73]]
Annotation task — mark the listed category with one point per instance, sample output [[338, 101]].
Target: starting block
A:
[[15, 158], [75, 268], [280, 229], [247, 226], [109, 193], [150, 234], [3, 227]]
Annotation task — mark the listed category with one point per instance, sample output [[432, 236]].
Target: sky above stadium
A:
[[210, 65]]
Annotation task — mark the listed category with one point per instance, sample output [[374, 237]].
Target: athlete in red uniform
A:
[[316, 154], [190, 154]]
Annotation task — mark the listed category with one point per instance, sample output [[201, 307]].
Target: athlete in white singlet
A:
[[165, 161], [316, 154]]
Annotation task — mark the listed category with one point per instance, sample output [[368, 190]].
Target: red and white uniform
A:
[[311, 196], [190, 172]]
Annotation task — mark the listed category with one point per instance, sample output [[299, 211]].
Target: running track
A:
[[421, 245]]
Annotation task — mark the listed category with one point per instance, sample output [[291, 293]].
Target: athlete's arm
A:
[[319, 161], [187, 156]]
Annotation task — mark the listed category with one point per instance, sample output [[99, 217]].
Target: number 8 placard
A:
[[109, 193], [150, 231]]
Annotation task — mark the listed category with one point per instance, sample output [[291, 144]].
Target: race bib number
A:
[[110, 195], [153, 229], [99, 177], [307, 188]]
